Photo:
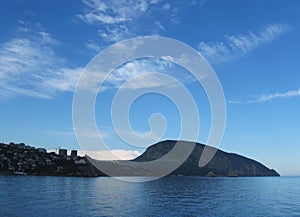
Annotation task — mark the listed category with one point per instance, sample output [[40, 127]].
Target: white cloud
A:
[[114, 34], [269, 97], [94, 46], [113, 16], [148, 74], [117, 154], [30, 66], [113, 11], [159, 25], [145, 74], [236, 45], [8, 91], [120, 19], [166, 7]]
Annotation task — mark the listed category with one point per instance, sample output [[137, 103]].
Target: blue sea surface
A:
[[169, 196]]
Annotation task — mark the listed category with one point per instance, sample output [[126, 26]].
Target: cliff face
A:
[[222, 164]]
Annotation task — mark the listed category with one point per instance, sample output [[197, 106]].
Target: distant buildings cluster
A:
[[24, 159]]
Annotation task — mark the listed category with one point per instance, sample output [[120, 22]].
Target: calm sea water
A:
[[171, 196]]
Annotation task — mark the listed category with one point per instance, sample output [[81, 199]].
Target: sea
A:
[[169, 196]]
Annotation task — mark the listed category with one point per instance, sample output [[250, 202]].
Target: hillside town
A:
[[21, 159]]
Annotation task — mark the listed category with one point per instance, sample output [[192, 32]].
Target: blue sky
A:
[[253, 47]]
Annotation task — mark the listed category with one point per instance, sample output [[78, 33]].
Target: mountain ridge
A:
[[222, 164], [161, 159]]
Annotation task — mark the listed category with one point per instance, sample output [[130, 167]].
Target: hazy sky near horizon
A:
[[253, 46]]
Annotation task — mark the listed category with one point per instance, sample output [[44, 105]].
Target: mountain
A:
[[222, 164], [161, 159]]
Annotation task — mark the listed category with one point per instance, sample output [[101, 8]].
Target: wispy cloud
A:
[[112, 12], [146, 75], [94, 46], [140, 74], [236, 45], [120, 19], [166, 7], [113, 16], [269, 97], [30, 66], [115, 33]]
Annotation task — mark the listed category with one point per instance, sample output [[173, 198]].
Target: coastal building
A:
[[42, 150], [74, 153], [62, 152]]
